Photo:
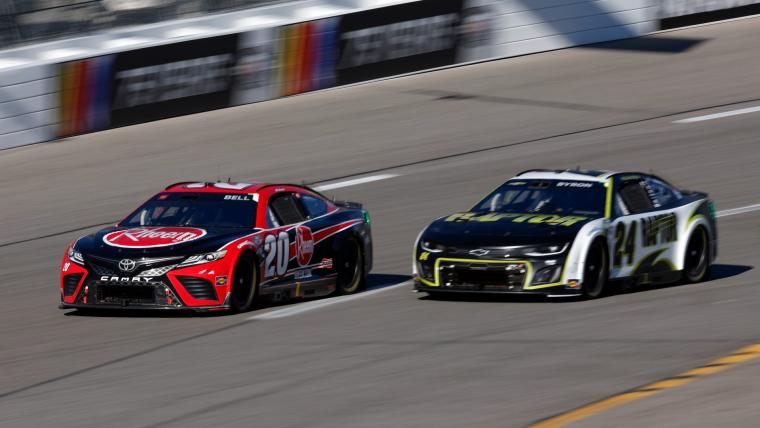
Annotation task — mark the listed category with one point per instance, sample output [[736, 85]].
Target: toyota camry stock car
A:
[[568, 233], [207, 246]]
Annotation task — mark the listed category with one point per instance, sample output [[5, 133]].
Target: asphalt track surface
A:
[[393, 358]]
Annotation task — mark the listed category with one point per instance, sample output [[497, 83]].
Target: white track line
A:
[[719, 115], [740, 210], [354, 182], [318, 304]]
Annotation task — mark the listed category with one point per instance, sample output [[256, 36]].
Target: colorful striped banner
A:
[[85, 95], [307, 56]]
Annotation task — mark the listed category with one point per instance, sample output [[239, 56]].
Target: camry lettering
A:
[[107, 278]]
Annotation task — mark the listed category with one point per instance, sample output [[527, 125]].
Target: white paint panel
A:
[[28, 105], [29, 136], [625, 19]]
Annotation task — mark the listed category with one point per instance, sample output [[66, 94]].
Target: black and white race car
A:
[[568, 233]]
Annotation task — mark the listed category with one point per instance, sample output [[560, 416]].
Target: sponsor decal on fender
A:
[[304, 245], [150, 237], [221, 280]]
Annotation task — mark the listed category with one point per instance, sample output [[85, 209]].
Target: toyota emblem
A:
[[479, 252], [127, 265]]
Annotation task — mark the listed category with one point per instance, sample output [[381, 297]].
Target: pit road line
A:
[[747, 353]]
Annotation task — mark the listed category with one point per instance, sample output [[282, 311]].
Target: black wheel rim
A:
[[349, 267], [696, 254], [241, 287], [593, 271]]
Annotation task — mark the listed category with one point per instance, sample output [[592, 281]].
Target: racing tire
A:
[[350, 267], [244, 284], [595, 271], [696, 266]]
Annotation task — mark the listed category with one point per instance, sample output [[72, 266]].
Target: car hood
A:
[[497, 229], [136, 242]]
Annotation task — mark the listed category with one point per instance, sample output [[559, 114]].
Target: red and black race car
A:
[[218, 246]]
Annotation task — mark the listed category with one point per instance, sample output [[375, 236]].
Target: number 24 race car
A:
[[217, 246], [567, 233]]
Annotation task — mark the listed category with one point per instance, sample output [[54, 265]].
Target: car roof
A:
[[218, 187], [598, 176]]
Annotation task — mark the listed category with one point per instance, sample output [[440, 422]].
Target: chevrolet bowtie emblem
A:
[[479, 252]]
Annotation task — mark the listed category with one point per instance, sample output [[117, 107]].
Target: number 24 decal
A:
[[277, 251], [625, 245]]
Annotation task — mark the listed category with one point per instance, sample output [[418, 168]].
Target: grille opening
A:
[[199, 288], [483, 276], [129, 294], [70, 283]]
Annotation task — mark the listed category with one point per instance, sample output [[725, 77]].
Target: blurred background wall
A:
[[29, 21]]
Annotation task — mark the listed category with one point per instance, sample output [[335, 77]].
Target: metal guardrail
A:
[[34, 21]]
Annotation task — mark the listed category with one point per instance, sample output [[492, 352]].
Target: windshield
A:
[[195, 209], [547, 197]]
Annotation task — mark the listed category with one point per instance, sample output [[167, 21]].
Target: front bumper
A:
[[558, 291], [533, 276], [111, 307], [156, 295]]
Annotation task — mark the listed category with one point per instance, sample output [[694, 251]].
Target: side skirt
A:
[[309, 288]]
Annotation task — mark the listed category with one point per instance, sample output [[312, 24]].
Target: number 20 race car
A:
[[217, 246], [567, 233]]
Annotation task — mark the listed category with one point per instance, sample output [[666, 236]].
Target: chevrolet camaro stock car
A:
[[569, 233], [217, 246]]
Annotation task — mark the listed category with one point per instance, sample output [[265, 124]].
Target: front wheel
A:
[[697, 258], [244, 284], [350, 266], [595, 271]]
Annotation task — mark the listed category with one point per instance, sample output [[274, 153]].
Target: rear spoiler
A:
[[348, 204]]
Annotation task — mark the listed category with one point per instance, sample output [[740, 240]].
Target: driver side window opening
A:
[[286, 209], [635, 196], [661, 193]]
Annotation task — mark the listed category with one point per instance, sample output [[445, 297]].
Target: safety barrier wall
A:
[[119, 88], [28, 106]]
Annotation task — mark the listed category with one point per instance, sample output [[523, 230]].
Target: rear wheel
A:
[[697, 258], [350, 266], [595, 271], [244, 285]]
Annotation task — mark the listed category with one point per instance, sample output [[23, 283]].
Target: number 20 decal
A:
[[277, 251]]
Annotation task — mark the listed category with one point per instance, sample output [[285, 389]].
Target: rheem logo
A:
[[304, 245]]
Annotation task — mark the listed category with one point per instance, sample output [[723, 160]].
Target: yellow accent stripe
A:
[[742, 355], [528, 276], [608, 201]]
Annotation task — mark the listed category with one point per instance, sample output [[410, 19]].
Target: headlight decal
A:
[[203, 258]]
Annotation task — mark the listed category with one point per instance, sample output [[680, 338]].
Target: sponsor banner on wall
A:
[[398, 39], [675, 8], [288, 60], [146, 84], [85, 95], [476, 31], [172, 80]]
